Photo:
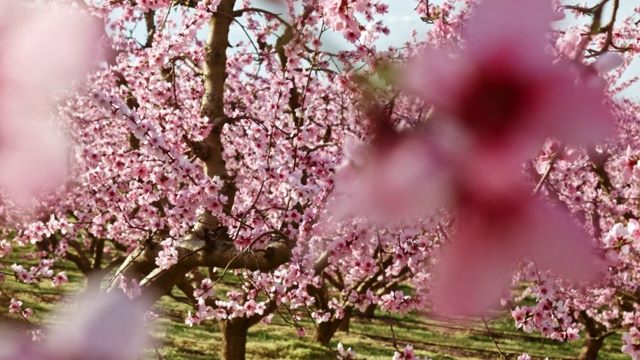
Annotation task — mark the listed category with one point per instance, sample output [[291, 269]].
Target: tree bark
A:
[[594, 338], [590, 348], [346, 321], [325, 331], [370, 311], [234, 338], [94, 281]]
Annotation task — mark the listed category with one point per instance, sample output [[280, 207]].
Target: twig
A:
[[546, 174], [495, 342]]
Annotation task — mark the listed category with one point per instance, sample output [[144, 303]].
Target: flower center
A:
[[495, 102]]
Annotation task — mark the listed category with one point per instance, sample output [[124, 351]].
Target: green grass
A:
[[371, 338]]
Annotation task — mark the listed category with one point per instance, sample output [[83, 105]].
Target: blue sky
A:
[[402, 19]]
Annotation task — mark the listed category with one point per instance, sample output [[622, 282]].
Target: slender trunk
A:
[[94, 281], [234, 338], [590, 348], [346, 320], [325, 330]]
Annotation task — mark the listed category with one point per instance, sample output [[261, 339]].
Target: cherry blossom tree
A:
[[495, 149]]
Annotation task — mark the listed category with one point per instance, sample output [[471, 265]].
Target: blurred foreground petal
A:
[[42, 51], [401, 181], [494, 237], [101, 327]]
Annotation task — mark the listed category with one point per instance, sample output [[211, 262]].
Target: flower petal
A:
[[555, 242], [439, 77], [516, 26], [574, 113], [473, 272]]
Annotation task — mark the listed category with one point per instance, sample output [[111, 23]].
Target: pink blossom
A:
[[131, 291], [406, 354], [320, 316], [219, 314], [629, 164], [5, 248], [206, 289], [301, 332], [22, 274], [59, 279], [519, 315], [569, 43], [345, 354], [267, 320], [26, 313], [252, 307], [629, 347], [572, 334], [168, 256], [15, 305]]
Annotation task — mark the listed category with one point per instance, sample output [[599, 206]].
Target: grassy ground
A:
[[371, 338]]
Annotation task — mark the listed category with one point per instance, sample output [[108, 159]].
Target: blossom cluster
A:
[[374, 181]]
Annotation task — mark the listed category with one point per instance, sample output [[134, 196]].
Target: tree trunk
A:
[[590, 348], [94, 281], [370, 311], [325, 331], [595, 335], [234, 338], [346, 320]]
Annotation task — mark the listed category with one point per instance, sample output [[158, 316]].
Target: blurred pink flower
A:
[[101, 327], [496, 231], [42, 51], [503, 95], [504, 91], [388, 183], [496, 101], [629, 347]]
